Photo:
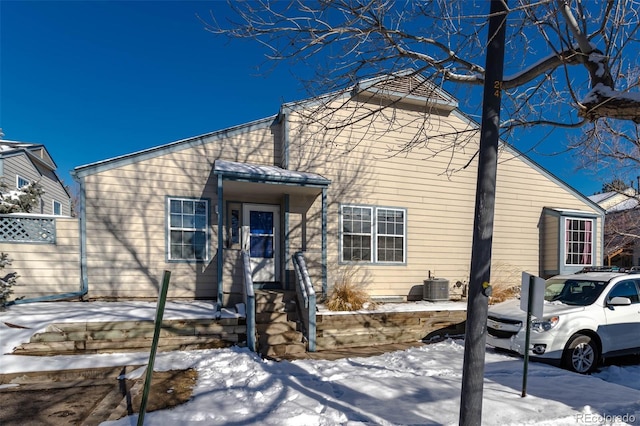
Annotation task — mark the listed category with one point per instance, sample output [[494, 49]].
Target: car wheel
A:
[[582, 354]]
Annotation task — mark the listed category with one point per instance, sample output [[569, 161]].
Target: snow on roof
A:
[[596, 198], [6, 145], [630, 203], [264, 172], [625, 201]]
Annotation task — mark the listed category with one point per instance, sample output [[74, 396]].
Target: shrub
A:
[[22, 200], [6, 282], [348, 295], [506, 280]]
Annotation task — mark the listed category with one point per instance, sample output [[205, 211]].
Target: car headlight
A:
[[545, 324]]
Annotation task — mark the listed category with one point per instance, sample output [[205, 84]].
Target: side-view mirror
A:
[[619, 301]]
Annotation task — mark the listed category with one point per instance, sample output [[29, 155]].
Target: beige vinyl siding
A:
[[53, 190], [47, 269], [436, 184], [233, 275], [551, 252], [19, 165], [126, 217]]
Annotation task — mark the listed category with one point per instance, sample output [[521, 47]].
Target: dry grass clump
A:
[[347, 295], [505, 282]]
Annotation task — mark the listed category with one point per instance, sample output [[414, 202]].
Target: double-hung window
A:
[[188, 224], [578, 241], [57, 208], [21, 182], [373, 234]]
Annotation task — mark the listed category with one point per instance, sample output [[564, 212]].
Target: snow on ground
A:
[[418, 386]]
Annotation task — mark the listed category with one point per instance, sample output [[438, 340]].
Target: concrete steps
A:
[[276, 324]]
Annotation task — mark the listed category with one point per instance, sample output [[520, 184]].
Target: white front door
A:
[[260, 232]]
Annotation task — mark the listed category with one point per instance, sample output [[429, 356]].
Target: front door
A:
[[261, 225]]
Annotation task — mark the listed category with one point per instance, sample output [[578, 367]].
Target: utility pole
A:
[[479, 284]]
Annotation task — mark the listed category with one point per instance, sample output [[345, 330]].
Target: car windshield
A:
[[572, 291]]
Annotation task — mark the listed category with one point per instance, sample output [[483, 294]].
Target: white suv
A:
[[586, 317]]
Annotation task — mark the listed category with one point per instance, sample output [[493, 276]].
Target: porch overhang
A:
[[261, 174], [243, 178]]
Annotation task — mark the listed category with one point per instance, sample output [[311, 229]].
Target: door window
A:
[[261, 234]]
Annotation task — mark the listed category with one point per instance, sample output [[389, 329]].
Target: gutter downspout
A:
[[284, 118], [84, 282]]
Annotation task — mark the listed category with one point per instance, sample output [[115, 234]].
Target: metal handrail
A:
[[305, 289], [249, 298]]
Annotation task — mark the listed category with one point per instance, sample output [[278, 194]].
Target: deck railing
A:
[[306, 296], [249, 299], [27, 228]]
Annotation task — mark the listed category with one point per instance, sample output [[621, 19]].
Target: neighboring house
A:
[[622, 227], [22, 163], [43, 245], [615, 201], [375, 193]]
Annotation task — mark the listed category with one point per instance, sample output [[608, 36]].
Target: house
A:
[[22, 163], [376, 183], [43, 245], [622, 227]]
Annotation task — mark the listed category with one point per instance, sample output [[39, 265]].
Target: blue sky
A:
[[93, 80]]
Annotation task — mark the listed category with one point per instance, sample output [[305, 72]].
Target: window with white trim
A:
[[57, 208], [373, 234], [188, 224], [578, 241], [21, 182]]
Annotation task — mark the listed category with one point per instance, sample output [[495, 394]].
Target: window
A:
[[626, 289], [578, 241], [57, 208], [373, 234], [187, 228], [21, 182]]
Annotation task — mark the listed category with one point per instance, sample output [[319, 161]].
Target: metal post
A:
[[220, 253], [527, 336], [154, 346], [479, 284]]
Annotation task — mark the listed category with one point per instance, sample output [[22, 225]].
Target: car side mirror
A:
[[619, 301]]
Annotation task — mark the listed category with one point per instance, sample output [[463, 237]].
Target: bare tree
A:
[[621, 235], [570, 63]]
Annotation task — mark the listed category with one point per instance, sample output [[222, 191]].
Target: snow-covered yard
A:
[[416, 386]]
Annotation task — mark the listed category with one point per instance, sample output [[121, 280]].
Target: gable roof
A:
[[615, 201], [407, 86], [157, 151], [37, 153], [402, 87]]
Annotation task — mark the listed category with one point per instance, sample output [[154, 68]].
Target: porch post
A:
[[324, 242], [287, 208], [220, 209]]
